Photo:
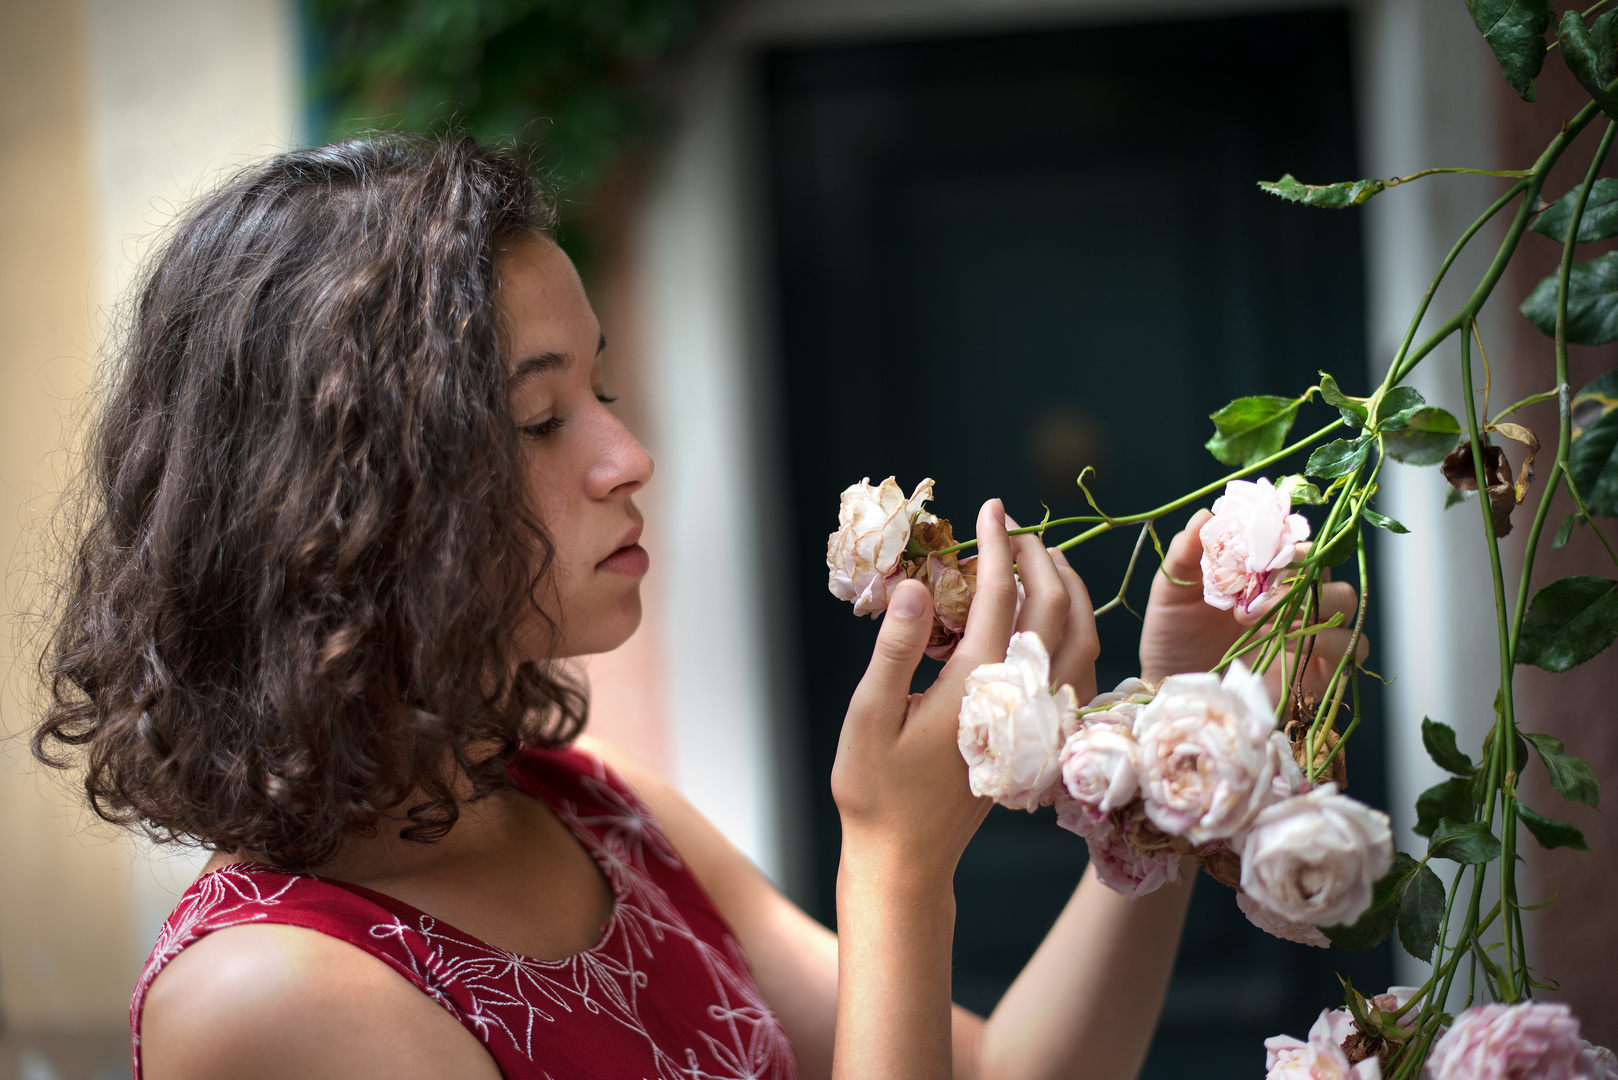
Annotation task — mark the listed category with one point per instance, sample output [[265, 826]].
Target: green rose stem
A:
[[1505, 724], [1107, 524], [1529, 188]]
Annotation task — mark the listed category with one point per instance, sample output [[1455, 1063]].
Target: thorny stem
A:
[[1529, 188], [1564, 435], [1506, 727]]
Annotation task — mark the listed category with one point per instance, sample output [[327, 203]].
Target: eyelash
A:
[[548, 427]]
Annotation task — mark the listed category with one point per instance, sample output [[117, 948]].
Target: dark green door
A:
[[1000, 259]]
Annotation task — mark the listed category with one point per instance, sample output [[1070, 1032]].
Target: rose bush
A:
[[1012, 726], [873, 529], [1314, 858], [1208, 762], [1247, 546]]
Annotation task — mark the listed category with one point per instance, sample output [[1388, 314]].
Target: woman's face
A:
[[582, 465]]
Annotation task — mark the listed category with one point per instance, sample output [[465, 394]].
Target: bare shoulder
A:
[[265, 1002]]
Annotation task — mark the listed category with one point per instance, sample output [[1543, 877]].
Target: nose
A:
[[622, 466]]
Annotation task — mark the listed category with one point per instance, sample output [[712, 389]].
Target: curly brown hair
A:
[[304, 550]]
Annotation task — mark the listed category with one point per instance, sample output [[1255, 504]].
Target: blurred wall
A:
[[112, 114]]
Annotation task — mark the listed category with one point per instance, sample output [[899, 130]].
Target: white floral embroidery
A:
[[502, 995]]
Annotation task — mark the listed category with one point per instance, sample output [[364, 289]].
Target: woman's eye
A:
[[606, 399], [543, 428]]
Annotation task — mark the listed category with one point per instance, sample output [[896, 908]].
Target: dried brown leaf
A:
[[1459, 471]]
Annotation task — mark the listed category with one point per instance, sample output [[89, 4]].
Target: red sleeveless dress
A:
[[665, 994]]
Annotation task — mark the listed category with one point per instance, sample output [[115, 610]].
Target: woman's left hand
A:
[[1183, 633]]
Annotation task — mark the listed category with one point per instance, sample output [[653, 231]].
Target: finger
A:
[[879, 702], [1045, 610], [994, 605], [1075, 658], [1183, 560]]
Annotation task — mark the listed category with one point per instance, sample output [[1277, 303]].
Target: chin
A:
[[606, 631]]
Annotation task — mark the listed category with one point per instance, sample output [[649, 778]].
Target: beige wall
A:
[[112, 114], [65, 946]]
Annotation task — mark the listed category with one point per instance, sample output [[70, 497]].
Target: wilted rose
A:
[[1322, 1056], [1314, 858], [1208, 763], [1285, 929], [873, 529], [1012, 726], [1247, 546], [1126, 869], [953, 584], [1529, 1041]]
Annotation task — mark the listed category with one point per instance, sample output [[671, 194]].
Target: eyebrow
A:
[[535, 366]]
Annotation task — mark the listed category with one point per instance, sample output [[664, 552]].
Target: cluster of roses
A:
[[1195, 770], [1527, 1041]]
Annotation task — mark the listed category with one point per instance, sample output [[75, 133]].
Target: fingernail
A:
[[1058, 555], [998, 509], [1011, 522], [907, 604]]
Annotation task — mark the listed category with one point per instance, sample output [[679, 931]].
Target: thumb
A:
[[1183, 560], [884, 691]]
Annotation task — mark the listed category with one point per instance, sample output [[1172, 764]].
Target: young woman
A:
[[354, 492]]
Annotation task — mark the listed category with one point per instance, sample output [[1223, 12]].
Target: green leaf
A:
[[1592, 302], [1381, 522], [1571, 777], [1338, 458], [1549, 832], [1469, 842], [1427, 435], [1591, 53], [1342, 547], [1453, 799], [1250, 429], [1559, 541], [1300, 490], [1330, 196], [1600, 218], [1439, 739], [1373, 927], [1569, 622], [1592, 458], [1354, 411], [1515, 30], [1397, 406], [1420, 911]]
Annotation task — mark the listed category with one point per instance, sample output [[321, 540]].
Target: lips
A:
[[628, 558]]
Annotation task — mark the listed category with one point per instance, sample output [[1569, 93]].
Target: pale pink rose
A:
[[1394, 998], [1247, 546], [1079, 818], [1126, 869], [1099, 763], [1529, 1041], [873, 528], [1208, 763], [1321, 1057], [1314, 858], [1285, 929], [1012, 726], [1597, 1063]]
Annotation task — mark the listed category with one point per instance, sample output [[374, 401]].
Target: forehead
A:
[[542, 301]]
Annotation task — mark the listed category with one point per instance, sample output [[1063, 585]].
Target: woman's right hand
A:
[[899, 779], [907, 811]]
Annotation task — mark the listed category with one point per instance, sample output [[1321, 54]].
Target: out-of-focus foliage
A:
[[566, 78]]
